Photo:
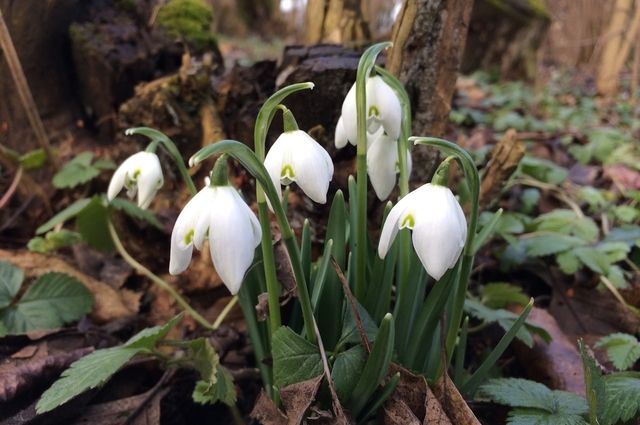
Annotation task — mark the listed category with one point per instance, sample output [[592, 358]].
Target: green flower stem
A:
[[155, 279], [263, 122], [225, 312], [460, 290], [365, 66], [170, 147], [250, 161]]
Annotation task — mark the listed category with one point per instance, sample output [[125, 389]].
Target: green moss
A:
[[189, 20]]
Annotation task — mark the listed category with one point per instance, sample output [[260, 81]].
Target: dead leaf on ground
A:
[[32, 366], [556, 364], [413, 402], [266, 413], [118, 411], [297, 398], [453, 403], [109, 304], [623, 177]]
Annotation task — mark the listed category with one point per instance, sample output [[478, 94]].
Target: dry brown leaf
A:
[[556, 364], [109, 304], [297, 398], [266, 413], [453, 403], [31, 367], [623, 176], [117, 411], [505, 157]]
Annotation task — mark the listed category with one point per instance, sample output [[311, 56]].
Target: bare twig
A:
[[352, 304], [12, 188], [22, 86]]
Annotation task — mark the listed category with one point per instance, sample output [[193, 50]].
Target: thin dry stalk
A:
[[26, 98]]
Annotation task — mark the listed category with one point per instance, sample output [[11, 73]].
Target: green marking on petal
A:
[[373, 111], [287, 172], [408, 221], [188, 238]]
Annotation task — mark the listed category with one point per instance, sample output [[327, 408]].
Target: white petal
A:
[[184, 232], [117, 182], [204, 203], [393, 222], [436, 234], [380, 95], [340, 139], [312, 166], [273, 164], [349, 116], [381, 165], [150, 178], [232, 238]]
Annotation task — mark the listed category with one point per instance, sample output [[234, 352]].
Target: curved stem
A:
[[155, 279], [225, 312]]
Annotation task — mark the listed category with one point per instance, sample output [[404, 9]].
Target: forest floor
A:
[[568, 181]]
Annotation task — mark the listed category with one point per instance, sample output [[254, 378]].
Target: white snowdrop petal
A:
[[380, 95], [392, 225], [312, 167], [117, 182], [349, 116], [231, 240], [382, 156], [340, 139]]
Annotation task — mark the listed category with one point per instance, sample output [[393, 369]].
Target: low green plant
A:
[[50, 302]]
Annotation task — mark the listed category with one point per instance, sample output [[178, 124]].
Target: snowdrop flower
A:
[[438, 224], [296, 157], [383, 110], [382, 163], [219, 213], [139, 173]]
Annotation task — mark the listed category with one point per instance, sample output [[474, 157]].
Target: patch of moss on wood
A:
[[189, 20]]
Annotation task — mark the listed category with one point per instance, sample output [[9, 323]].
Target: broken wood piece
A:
[[503, 162]]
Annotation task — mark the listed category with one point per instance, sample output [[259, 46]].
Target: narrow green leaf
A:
[[33, 159], [11, 278], [294, 358], [487, 231], [146, 339], [480, 374], [52, 301], [376, 366], [305, 249], [132, 210], [379, 397], [321, 275], [64, 215]]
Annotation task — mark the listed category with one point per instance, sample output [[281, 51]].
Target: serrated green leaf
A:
[[105, 164], [77, 171], [501, 294], [346, 371], [593, 197], [622, 398], [350, 333], [622, 349], [33, 159], [551, 243], [89, 372], [204, 359], [593, 259], [568, 262], [530, 198], [53, 240], [52, 301], [96, 368], [627, 233], [147, 338], [524, 416], [523, 393], [543, 170], [594, 383], [11, 278], [64, 215], [626, 213], [92, 224], [294, 358], [135, 211], [223, 389]]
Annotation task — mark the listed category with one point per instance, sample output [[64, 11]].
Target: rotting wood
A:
[[503, 162]]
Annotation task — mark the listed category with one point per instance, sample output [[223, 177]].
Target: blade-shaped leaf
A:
[[64, 215]]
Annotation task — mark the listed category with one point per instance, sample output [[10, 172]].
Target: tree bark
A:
[[429, 38], [335, 21]]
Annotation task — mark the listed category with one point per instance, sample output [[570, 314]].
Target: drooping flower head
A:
[[438, 224], [383, 110], [218, 213], [382, 163], [140, 173], [297, 157]]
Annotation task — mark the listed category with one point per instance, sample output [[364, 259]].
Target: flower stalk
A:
[[365, 66]]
